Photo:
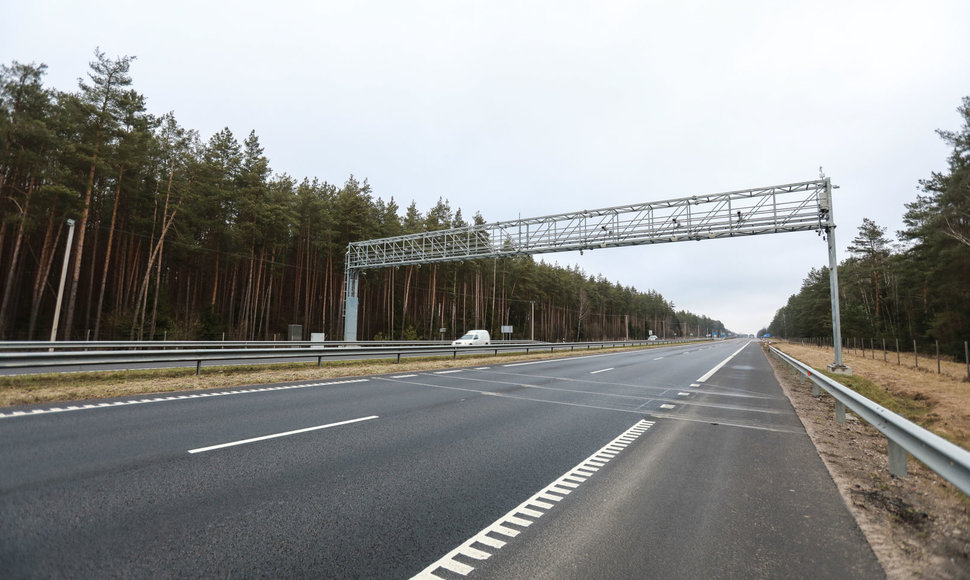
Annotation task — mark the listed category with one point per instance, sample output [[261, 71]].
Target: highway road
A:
[[679, 462]]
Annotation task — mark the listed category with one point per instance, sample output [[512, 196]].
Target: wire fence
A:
[[900, 353]]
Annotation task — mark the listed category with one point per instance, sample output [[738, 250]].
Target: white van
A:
[[473, 338]]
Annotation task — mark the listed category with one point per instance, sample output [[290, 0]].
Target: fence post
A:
[[915, 354], [885, 357], [898, 362]]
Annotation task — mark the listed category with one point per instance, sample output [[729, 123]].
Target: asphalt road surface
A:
[[676, 462]]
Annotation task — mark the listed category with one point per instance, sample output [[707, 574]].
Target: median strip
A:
[[34, 412]]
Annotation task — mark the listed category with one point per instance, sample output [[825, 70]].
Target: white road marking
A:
[[277, 435], [403, 376], [666, 406], [601, 371], [711, 372], [174, 398], [564, 359], [447, 372], [527, 509]]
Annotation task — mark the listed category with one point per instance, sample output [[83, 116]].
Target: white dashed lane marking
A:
[[34, 412]]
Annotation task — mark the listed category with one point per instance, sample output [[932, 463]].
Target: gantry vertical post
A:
[[351, 279], [837, 366]]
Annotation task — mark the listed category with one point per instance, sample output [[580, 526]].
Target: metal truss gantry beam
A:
[[782, 208], [794, 207]]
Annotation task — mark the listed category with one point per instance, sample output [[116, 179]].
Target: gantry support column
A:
[[351, 279]]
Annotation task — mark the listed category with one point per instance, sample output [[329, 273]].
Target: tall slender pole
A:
[[532, 319], [837, 366], [60, 289]]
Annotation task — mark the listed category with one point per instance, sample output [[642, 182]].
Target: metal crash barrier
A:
[[950, 461]]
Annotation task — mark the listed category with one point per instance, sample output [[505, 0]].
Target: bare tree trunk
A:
[[82, 228], [158, 290], [43, 271], [107, 256], [142, 298], [407, 292], [14, 261]]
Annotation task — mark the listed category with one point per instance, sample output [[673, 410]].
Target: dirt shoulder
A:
[[918, 526]]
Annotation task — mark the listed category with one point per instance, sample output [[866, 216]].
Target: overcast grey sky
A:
[[528, 108]]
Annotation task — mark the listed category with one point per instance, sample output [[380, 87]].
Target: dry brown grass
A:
[[32, 389], [947, 395], [917, 525]]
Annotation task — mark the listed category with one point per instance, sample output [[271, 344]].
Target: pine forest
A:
[[177, 237], [915, 287]]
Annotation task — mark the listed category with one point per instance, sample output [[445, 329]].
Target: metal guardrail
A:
[[95, 356], [39, 345], [950, 461]]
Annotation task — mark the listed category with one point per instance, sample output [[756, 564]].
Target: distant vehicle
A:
[[473, 338], [652, 337]]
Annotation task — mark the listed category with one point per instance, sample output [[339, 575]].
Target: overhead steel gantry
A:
[[795, 207]]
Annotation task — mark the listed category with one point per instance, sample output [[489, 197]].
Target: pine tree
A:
[[102, 100]]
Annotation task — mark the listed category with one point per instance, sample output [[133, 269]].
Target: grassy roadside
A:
[[937, 402], [50, 388]]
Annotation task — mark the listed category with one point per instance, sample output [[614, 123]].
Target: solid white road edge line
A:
[[274, 436], [527, 508], [711, 372]]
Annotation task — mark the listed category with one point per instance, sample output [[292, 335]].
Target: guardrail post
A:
[[398, 358], [319, 361], [198, 367], [839, 412], [897, 459]]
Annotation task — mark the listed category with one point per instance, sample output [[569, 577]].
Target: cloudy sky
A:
[[529, 108]]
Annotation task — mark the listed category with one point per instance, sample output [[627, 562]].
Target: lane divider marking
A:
[[34, 412], [278, 435], [601, 371], [485, 543], [711, 372]]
